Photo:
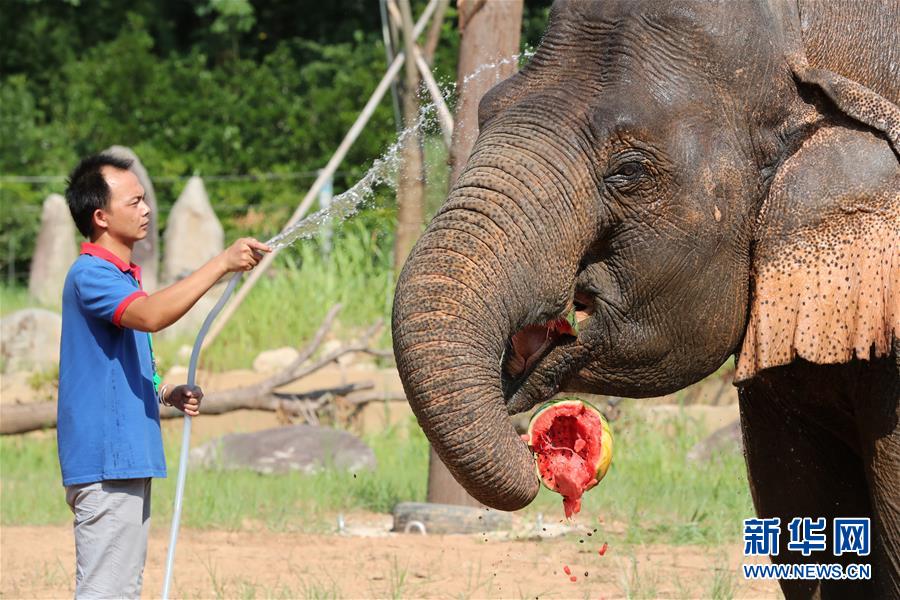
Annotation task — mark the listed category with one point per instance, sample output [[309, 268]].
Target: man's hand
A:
[[186, 398], [243, 255]]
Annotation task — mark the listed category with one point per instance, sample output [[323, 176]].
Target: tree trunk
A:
[[434, 32], [442, 487], [489, 31], [411, 184]]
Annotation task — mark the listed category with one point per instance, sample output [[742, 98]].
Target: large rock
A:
[[193, 233], [29, 340], [725, 440], [193, 236], [54, 252], [273, 361], [146, 251], [305, 448]]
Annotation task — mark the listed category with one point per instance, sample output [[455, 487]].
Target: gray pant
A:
[[112, 520]]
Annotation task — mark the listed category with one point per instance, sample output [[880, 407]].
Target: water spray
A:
[[343, 206]]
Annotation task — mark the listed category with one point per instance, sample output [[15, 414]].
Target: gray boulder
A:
[[29, 340], [305, 448], [54, 252], [146, 251], [725, 440], [193, 236], [193, 233]]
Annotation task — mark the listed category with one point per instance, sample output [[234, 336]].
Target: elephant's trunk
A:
[[470, 283]]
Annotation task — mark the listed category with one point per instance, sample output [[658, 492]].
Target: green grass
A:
[[13, 298], [32, 493], [288, 304], [651, 488]]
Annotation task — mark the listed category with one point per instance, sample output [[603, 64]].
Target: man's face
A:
[[127, 216]]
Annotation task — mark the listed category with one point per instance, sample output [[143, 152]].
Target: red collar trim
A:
[[101, 252]]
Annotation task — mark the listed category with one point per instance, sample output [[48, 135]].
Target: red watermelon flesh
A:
[[567, 439]]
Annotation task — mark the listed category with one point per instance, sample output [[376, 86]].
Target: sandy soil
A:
[[38, 562]]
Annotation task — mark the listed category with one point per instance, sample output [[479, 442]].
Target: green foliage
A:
[[232, 19], [288, 305], [165, 77]]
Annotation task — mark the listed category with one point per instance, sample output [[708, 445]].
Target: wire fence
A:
[[177, 178]]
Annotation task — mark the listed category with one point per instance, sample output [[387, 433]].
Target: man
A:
[[108, 429]]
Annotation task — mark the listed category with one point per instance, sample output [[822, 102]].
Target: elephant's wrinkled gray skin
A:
[[696, 179]]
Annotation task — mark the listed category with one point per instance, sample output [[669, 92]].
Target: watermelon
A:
[[572, 445]]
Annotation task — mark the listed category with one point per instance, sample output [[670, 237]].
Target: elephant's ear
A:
[[826, 260], [853, 99], [850, 97]]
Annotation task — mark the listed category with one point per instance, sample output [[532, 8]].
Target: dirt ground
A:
[[38, 562]]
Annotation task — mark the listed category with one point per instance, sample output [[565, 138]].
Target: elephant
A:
[[696, 180]]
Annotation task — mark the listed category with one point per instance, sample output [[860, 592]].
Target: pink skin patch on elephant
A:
[[829, 292]]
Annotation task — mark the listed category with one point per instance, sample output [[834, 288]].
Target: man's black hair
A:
[[86, 190]]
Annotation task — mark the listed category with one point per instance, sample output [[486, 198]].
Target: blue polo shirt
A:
[[108, 413]]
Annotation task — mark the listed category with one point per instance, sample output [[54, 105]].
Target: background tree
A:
[[411, 182], [161, 77], [489, 32]]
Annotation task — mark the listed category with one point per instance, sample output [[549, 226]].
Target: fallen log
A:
[[21, 418]]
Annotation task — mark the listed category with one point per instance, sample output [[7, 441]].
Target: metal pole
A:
[[389, 53]]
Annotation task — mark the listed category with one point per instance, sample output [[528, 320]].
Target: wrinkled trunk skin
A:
[[472, 280], [448, 340]]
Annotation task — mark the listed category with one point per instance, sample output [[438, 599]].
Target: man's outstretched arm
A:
[[161, 309]]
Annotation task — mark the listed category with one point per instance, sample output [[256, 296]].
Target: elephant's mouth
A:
[[539, 358]]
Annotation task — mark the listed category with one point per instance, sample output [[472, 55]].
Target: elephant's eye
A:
[[628, 171], [626, 175]]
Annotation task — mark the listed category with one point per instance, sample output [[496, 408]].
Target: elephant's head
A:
[[627, 173]]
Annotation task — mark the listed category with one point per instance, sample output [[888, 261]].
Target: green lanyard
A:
[[156, 378]]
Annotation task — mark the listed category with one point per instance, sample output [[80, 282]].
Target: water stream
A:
[[384, 171]]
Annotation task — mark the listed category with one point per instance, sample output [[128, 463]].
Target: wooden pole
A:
[[434, 32], [444, 116], [387, 35], [411, 179], [324, 175], [489, 31]]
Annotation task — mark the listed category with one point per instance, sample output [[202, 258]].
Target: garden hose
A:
[[186, 436]]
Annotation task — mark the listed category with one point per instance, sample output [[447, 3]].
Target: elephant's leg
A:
[[878, 419], [798, 468]]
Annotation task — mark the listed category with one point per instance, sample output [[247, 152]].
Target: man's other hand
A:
[[186, 398], [244, 254]]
